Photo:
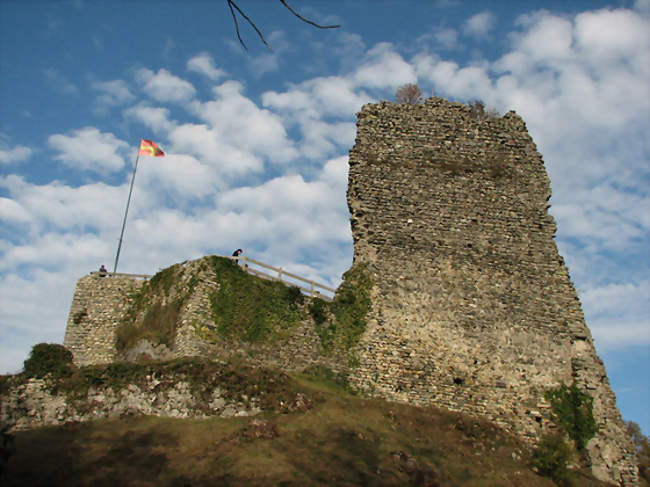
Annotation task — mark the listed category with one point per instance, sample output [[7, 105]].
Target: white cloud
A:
[[155, 118], [547, 38], [180, 175], [269, 61], [96, 206], [164, 86], [210, 147], [204, 64], [89, 149], [319, 97], [12, 211], [54, 249], [239, 121], [612, 334], [469, 82], [606, 34], [112, 93], [321, 108], [610, 299], [8, 154], [383, 67], [480, 25]]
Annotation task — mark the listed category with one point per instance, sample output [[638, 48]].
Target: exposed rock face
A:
[[473, 307], [34, 405]]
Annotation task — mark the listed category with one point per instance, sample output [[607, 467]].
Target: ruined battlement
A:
[[473, 308]]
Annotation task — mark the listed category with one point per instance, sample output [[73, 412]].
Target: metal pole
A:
[[128, 202]]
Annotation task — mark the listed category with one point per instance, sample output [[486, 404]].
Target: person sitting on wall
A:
[[237, 253], [102, 271]]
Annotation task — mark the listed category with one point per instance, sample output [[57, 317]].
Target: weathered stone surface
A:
[[473, 308], [97, 307], [100, 304], [33, 404]]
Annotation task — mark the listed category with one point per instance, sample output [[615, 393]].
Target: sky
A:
[[257, 140]]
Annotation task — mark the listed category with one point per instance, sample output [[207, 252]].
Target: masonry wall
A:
[[97, 307], [473, 307]]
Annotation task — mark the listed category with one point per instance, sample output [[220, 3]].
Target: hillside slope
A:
[[329, 437]]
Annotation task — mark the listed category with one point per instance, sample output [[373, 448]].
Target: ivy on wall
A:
[[573, 411], [341, 323]]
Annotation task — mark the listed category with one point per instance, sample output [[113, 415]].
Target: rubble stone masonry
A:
[[473, 307], [97, 307]]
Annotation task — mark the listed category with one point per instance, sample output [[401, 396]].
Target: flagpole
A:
[[128, 202]]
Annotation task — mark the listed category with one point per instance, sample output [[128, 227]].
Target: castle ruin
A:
[[472, 308]]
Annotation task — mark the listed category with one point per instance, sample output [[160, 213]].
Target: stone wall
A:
[[473, 307], [299, 349], [97, 307], [99, 304], [34, 404]]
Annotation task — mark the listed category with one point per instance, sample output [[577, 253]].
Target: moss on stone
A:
[[341, 323], [153, 312], [250, 308]]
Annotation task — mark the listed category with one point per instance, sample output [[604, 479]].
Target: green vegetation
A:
[[573, 411], [250, 308], [245, 307], [642, 448], [341, 323], [154, 310], [551, 459], [48, 358], [328, 378]]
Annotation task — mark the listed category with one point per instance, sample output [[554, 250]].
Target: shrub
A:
[[48, 358], [551, 458], [317, 310], [410, 94], [642, 449], [573, 411], [477, 110], [341, 323]]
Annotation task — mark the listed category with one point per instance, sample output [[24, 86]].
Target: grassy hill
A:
[[329, 437]]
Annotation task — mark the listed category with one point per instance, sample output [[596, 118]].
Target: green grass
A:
[[340, 439]]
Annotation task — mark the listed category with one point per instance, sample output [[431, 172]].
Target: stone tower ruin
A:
[[473, 307]]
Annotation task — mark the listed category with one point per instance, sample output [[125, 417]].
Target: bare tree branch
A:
[[233, 6], [284, 2]]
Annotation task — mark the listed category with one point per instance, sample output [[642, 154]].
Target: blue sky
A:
[[257, 141]]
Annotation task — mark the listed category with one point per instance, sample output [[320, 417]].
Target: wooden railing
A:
[[312, 288]]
